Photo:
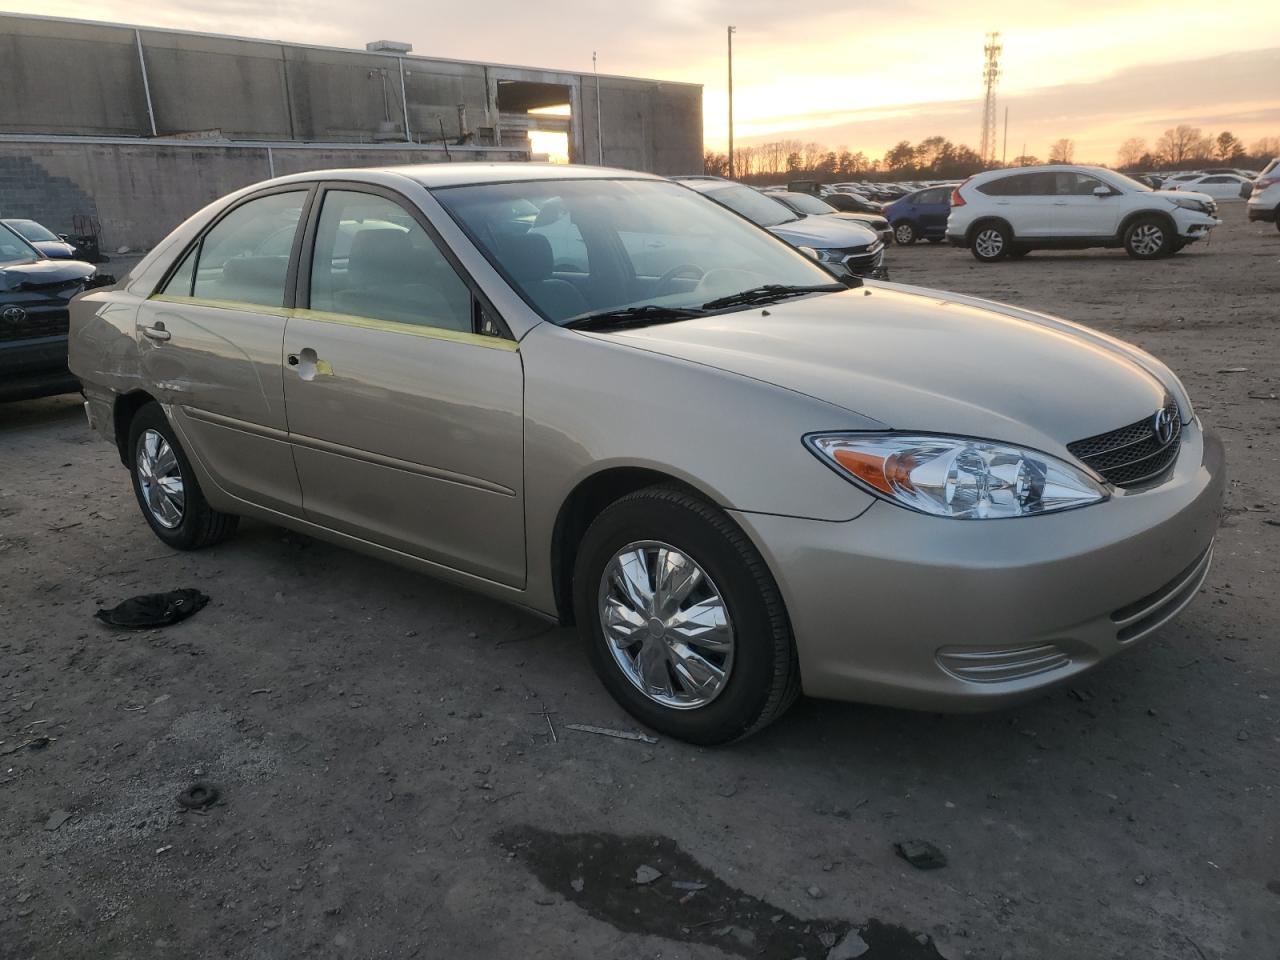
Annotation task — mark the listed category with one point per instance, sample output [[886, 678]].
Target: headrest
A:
[[527, 257], [381, 256]]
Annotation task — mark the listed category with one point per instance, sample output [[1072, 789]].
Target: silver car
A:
[[602, 397]]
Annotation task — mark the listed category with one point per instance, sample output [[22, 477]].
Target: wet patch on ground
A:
[[648, 885]]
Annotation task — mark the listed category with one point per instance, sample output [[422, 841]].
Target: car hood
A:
[[921, 360], [824, 231], [37, 274], [57, 249]]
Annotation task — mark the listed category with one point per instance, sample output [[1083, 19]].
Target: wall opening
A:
[[540, 113]]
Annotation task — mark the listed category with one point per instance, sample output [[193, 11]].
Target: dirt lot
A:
[[390, 785]]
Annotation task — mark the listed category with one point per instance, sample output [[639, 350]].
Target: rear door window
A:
[[245, 257]]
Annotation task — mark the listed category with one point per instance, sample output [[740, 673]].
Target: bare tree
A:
[[1266, 148], [1131, 152], [1025, 160], [1062, 151], [1179, 143]]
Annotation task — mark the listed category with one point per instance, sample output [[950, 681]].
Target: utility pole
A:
[[990, 74], [1004, 153], [731, 168], [599, 129]]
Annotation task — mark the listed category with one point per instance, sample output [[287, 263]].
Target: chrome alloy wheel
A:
[[1147, 239], [903, 233], [989, 243], [666, 625], [161, 479]]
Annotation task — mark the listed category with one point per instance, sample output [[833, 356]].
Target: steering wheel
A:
[[664, 281]]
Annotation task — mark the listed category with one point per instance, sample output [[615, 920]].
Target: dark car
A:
[[848, 203], [34, 294], [921, 215], [808, 205], [49, 244]]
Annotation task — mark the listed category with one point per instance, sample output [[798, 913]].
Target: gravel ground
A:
[[391, 785]]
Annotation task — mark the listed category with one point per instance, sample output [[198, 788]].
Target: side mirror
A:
[[1102, 191], [63, 237]]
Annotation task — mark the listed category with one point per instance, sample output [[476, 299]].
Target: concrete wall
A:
[[138, 192], [84, 79]]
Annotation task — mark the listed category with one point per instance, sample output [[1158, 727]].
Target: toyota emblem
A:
[[13, 314], [1163, 425]]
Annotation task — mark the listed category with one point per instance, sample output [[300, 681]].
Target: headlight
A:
[[833, 255], [956, 476], [1190, 203]]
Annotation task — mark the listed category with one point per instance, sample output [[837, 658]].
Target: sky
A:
[[864, 76]]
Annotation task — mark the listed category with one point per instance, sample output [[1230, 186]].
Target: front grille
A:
[[35, 322], [1132, 454], [863, 260]]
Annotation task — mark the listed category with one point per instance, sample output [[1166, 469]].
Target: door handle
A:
[[1059, 203], [157, 332]]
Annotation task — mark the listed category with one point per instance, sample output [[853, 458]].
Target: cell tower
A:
[[990, 74]]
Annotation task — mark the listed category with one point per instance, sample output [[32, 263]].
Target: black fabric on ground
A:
[[153, 609]]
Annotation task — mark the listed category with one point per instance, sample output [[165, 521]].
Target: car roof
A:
[[439, 175]]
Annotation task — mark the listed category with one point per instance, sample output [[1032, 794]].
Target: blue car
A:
[[49, 244], [921, 215]]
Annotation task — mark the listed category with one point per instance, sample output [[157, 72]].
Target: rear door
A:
[[1026, 201], [211, 344], [405, 398]]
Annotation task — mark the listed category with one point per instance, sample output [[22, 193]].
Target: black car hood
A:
[[42, 274]]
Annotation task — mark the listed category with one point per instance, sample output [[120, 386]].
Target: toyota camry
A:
[[603, 397]]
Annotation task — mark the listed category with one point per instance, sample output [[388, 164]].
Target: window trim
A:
[[302, 279], [197, 244]]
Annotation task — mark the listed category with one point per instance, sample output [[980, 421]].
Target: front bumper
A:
[[908, 610], [35, 367]]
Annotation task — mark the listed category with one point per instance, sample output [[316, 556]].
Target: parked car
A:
[[1264, 201], [845, 248], [852, 203], [706, 470], [34, 293], [1008, 213], [49, 244], [1174, 180], [807, 205], [920, 215], [1220, 186]]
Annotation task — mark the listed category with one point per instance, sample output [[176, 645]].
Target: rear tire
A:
[[991, 242], [165, 485], [904, 234], [1148, 238], [755, 654]]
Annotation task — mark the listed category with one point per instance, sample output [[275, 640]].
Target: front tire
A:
[[168, 493], [684, 624], [1148, 238], [904, 234], [991, 242]]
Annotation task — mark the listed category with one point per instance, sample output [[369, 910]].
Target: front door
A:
[[1079, 212], [407, 422], [211, 347]]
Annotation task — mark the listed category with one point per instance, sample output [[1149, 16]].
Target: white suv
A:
[[1264, 202], [1009, 213]]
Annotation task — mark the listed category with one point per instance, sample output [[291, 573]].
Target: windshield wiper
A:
[[635, 316], [770, 293]]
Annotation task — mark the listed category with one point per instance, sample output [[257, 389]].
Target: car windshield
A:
[[752, 204], [806, 204], [644, 246], [1137, 186], [13, 249], [32, 230]]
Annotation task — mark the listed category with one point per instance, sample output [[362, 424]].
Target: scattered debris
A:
[[153, 609], [921, 854], [1234, 370], [646, 874], [815, 892], [578, 884], [160, 850], [849, 948], [1141, 880], [693, 885], [259, 690], [57, 819], [1084, 696], [550, 726], [198, 796], [616, 734], [35, 743]]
